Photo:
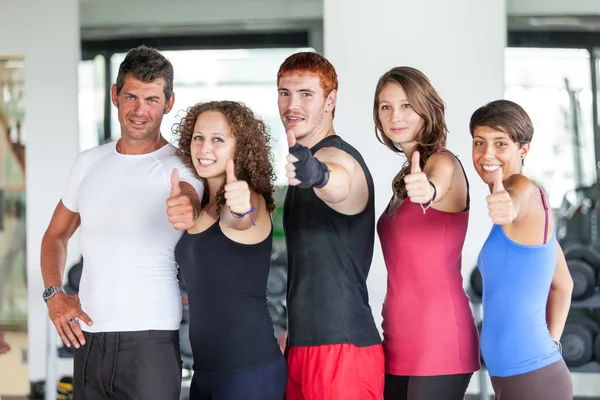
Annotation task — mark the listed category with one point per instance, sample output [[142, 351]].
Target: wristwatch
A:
[[50, 291]]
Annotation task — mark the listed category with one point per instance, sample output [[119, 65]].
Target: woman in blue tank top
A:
[[526, 283], [225, 256]]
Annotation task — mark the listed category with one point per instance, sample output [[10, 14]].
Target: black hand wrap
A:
[[309, 171]]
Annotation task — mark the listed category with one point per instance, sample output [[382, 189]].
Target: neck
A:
[[214, 184], [408, 148], [316, 136], [126, 145]]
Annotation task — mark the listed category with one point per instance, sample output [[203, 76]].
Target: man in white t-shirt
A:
[[124, 322]]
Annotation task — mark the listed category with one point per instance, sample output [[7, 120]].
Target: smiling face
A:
[[141, 107], [212, 144], [399, 121], [303, 107], [493, 149]]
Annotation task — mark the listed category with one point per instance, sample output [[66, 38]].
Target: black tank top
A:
[[230, 325], [329, 257]]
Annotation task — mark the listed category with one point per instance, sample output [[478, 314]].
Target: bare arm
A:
[[559, 298], [342, 174], [63, 224], [63, 310]]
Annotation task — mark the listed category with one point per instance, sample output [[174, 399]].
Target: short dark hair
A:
[[504, 116], [146, 65]]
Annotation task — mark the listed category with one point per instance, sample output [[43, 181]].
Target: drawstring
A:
[[87, 353], [112, 379]]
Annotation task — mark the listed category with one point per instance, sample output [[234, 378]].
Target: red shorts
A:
[[335, 372]]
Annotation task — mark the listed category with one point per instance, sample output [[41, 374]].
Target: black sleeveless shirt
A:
[[329, 257], [230, 325]]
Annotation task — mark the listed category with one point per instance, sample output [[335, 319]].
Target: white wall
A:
[[46, 32], [552, 7]]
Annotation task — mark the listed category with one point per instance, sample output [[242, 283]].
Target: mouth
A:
[[137, 123], [490, 168], [206, 162], [396, 130], [292, 119]]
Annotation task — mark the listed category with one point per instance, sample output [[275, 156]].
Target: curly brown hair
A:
[[252, 156], [428, 104]]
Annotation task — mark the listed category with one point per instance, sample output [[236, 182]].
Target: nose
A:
[[397, 115], [490, 153], [139, 107], [293, 102]]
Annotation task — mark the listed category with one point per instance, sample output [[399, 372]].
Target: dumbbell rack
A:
[[590, 303]]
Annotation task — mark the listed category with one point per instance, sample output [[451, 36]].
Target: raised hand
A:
[[302, 168], [418, 188], [237, 193], [65, 312], [500, 206], [179, 206]]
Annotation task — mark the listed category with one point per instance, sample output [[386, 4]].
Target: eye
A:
[[130, 98], [152, 101], [197, 137], [385, 107], [501, 144], [406, 106], [218, 140], [478, 143], [306, 94], [284, 94]]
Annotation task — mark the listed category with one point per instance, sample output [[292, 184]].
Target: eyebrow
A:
[[401, 100], [496, 138], [299, 90], [135, 95], [214, 133]]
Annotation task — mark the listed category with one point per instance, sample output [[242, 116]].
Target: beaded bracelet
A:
[[236, 215]]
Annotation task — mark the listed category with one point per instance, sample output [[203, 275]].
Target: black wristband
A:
[[430, 202], [309, 171]]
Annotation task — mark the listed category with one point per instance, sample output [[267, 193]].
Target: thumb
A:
[[175, 190], [415, 163], [291, 139], [230, 170], [498, 185]]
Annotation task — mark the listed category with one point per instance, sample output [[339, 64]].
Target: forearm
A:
[[557, 309], [53, 259], [338, 186]]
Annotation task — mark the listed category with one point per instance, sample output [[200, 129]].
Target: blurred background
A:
[[58, 60]]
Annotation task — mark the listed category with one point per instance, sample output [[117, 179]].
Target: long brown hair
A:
[[427, 103], [252, 154]]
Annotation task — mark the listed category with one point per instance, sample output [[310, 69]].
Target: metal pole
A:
[[51, 356]]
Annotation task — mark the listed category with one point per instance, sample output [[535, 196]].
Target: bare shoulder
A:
[[520, 184], [337, 156], [442, 160]]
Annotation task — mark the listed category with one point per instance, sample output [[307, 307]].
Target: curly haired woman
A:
[[225, 256]]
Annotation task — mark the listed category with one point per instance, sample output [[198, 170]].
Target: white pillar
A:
[[458, 44], [46, 32]]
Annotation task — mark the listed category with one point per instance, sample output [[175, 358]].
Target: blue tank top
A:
[[515, 338]]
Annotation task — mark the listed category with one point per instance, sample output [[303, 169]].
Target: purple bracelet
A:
[[236, 215]]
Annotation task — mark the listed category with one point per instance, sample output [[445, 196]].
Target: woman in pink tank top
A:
[[430, 340]]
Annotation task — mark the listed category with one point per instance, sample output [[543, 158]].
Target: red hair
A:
[[308, 61]]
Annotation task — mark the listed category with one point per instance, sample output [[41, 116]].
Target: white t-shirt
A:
[[129, 278]]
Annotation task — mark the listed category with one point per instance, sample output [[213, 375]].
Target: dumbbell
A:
[[276, 283], [578, 340], [476, 282], [597, 348], [583, 262]]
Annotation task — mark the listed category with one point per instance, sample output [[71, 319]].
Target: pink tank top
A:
[[428, 327]]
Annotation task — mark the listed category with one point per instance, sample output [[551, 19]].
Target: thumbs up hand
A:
[[179, 206], [418, 188], [237, 193], [500, 206], [302, 168]]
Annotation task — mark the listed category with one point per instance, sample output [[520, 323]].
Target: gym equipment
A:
[[597, 348], [584, 279], [476, 282], [73, 278], [64, 388], [578, 251], [276, 283], [578, 340]]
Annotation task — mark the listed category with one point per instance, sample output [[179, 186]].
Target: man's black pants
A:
[[144, 365]]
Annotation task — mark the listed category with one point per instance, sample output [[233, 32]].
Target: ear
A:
[[114, 96], [524, 150], [170, 103], [331, 100]]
